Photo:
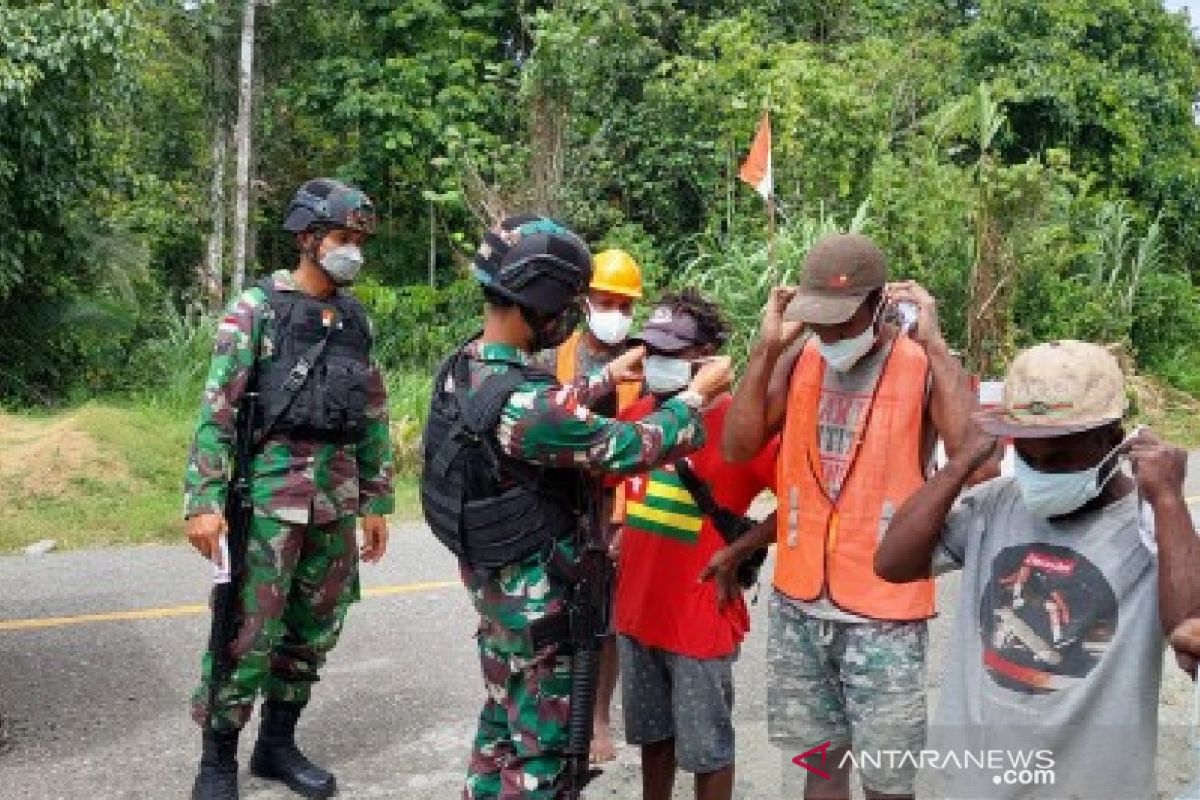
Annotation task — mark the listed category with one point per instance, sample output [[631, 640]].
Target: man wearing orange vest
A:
[[615, 286], [860, 405]]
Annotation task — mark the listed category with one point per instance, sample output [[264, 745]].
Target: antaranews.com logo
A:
[[1007, 767]]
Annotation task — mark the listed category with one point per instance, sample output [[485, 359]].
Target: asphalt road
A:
[[97, 707]]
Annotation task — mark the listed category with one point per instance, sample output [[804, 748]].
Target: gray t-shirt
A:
[[1056, 653]]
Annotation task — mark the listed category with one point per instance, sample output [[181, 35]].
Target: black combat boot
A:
[[276, 756], [217, 779]]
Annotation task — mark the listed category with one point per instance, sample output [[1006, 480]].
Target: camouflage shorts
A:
[[846, 683]]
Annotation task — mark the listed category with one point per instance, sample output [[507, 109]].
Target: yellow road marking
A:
[[39, 623]]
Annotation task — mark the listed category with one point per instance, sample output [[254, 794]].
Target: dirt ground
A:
[[760, 765], [42, 459]]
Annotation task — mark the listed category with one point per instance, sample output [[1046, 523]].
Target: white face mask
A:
[[665, 375], [342, 263], [843, 355], [1054, 494], [610, 327]]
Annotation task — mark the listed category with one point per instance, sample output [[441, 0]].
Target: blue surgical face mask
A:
[[1055, 494], [665, 375], [842, 355]]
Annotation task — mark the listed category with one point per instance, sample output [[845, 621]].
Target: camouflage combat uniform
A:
[[302, 556], [523, 726]]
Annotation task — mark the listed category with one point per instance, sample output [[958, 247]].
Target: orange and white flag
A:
[[756, 169]]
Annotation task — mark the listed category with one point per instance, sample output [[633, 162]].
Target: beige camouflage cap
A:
[[1056, 389]]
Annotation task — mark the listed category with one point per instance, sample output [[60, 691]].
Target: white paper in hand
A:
[[221, 571]]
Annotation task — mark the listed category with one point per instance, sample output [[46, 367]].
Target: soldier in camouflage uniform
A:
[[533, 272], [309, 483]]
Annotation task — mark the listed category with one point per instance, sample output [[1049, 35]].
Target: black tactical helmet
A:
[[535, 262], [330, 203]]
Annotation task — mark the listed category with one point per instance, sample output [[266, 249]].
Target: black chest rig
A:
[[489, 509], [315, 386]]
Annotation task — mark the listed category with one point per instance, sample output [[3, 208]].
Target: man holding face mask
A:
[[859, 406], [321, 457], [1072, 574], [511, 461]]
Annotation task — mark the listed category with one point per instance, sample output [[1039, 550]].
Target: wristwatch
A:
[[692, 399]]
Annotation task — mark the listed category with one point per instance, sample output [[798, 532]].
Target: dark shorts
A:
[[671, 696]]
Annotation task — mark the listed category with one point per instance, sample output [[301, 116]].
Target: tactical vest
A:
[[488, 508], [566, 369], [330, 340]]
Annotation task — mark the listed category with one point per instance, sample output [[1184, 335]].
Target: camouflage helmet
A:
[[329, 203], [534, 261]]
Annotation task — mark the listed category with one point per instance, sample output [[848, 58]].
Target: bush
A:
[[417, 326]]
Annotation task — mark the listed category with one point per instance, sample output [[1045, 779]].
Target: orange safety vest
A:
[[566, 370], [829, 547]]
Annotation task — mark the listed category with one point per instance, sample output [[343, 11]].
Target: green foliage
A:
[[417, 326], [740, 273], [1077, 154], [55, 63]]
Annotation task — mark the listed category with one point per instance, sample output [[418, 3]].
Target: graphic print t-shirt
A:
[[667, 543], [1056, 647]]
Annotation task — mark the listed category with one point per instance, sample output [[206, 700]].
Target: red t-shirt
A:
[[667, 542]]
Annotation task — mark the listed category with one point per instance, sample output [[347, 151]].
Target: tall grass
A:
[[738, 274]]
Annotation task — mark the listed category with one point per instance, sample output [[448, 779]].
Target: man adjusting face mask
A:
[[677, 345], [1063, 403], [840, 296]]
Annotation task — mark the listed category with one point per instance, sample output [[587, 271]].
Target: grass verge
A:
[[102, 474]]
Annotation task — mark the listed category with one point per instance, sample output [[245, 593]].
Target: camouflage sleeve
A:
[[549, 424], [374, 452], [211, 454], [594, 386]]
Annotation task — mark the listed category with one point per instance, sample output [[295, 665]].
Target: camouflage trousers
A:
[[858, 684], [300, 581], [517, 754]]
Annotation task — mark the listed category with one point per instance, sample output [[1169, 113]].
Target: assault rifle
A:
[[582, 627], [239, 514]]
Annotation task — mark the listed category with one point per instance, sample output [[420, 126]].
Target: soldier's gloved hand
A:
[[374, 538], [714, 377], [627, 367], [204, 531]]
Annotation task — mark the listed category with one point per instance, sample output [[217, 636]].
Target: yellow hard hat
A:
[[615, 271]]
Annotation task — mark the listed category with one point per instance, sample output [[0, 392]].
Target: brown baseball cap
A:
[[839, 272], [1057, 389]]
